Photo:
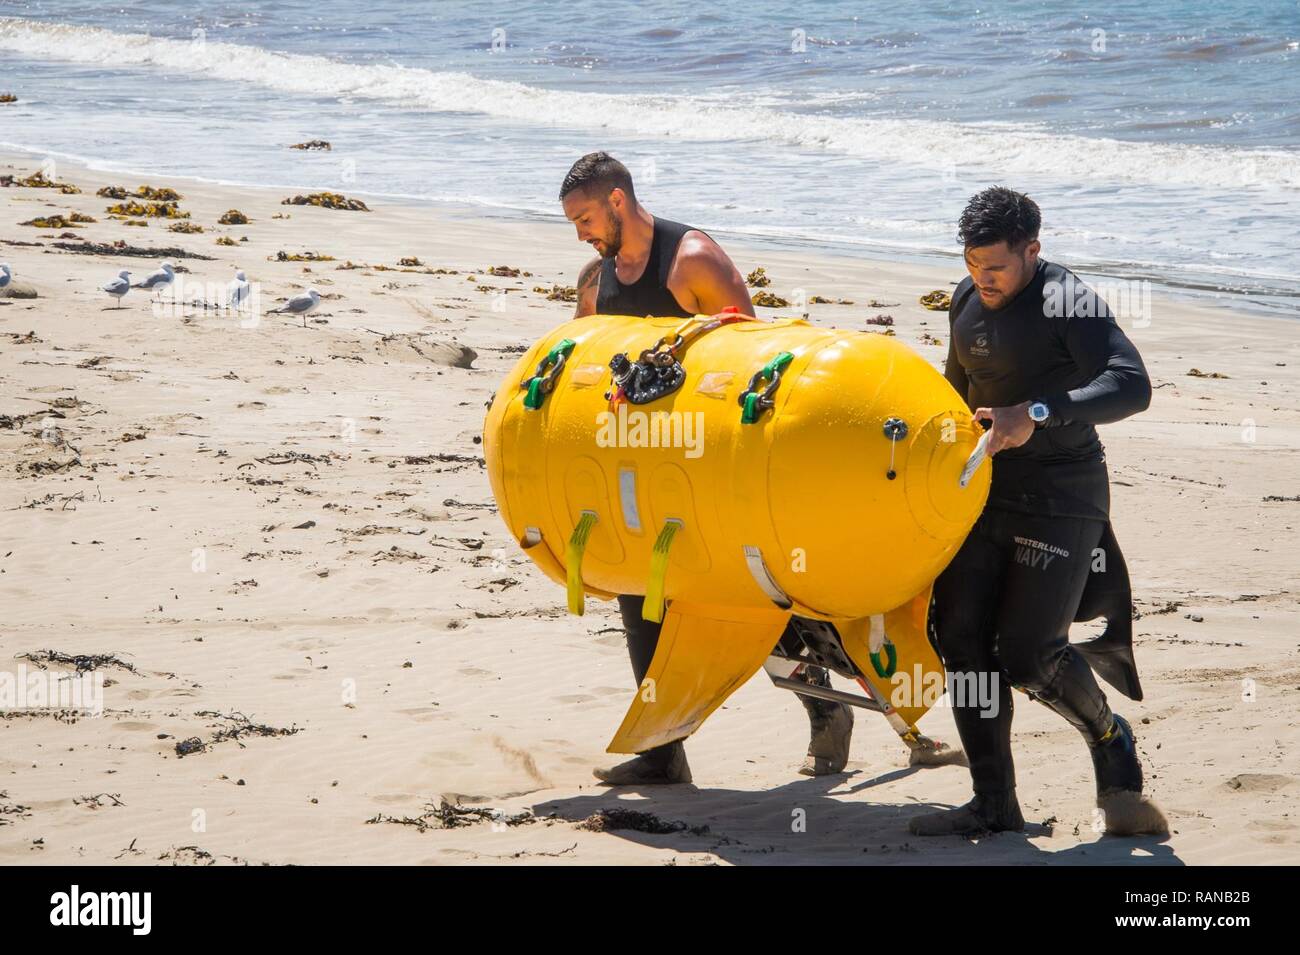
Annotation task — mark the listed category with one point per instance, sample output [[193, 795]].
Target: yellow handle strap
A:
[[680, 329], [573, 560], [653, 608]]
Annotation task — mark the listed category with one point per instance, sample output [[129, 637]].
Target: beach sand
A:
[[156, 507]]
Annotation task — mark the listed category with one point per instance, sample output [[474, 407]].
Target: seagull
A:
[[239, 290], [159, 280], [119, 286], [6, 274], [300, 304]]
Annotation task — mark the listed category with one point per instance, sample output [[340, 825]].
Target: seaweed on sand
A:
[[148, 210], [283, 256], [936, 301], [38, 180], [155, 193], [327, 200], [768, 300], [608, 820], [73, 220], [83, 662], [121, 247]]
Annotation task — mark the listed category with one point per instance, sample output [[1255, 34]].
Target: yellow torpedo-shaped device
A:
[[741, 473]]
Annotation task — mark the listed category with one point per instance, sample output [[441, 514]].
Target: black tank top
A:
[[648, 295]]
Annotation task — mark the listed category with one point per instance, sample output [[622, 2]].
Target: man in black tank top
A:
[[649, 294], [1036, 352], [647, 266], [650, 266]]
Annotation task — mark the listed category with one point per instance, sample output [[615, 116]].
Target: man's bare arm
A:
[[707, 275], [588, 286]]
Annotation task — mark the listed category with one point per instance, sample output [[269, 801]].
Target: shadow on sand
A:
[[800, 823]]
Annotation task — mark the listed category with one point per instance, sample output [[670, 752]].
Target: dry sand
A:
[[421, 657]]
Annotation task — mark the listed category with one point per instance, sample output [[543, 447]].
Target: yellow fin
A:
[[704, 655], [905, 629]]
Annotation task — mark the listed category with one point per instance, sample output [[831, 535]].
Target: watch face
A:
[[1038, 411]]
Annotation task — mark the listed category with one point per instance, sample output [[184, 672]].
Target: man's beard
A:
[[614, 242], [1004, 299], [997, 305]]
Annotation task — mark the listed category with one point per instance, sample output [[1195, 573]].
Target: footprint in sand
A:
[[574, 698], [1259, 782]]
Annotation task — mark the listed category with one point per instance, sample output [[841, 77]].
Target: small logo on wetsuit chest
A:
[[1034, 553], [980, 346]]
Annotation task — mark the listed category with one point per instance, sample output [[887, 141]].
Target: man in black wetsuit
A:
[[652, 266], [1036, 352]]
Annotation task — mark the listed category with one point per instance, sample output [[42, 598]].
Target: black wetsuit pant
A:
[[643, 638], [1003, 609]]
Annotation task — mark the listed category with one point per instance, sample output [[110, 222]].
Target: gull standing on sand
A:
[[6, 274], [239, 290], [159, 280], [119, 286], [300, 304]]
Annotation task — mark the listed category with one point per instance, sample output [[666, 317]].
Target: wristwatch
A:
[[1039, 412]]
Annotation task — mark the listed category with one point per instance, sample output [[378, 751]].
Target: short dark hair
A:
[[999, 214], [598, 169]]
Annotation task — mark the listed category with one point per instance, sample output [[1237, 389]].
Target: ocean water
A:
[[1161, 141]]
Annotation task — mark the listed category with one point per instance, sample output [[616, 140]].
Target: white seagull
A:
[[6, 274], [119, 286], [239, 290], [300, 304], [159, 280]]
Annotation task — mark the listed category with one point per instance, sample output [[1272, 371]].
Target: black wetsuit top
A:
[[648, 295], [1056, 342]]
